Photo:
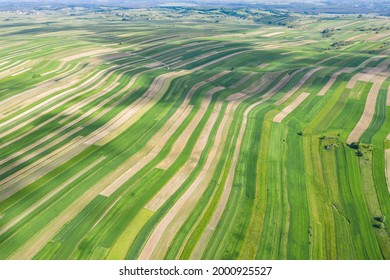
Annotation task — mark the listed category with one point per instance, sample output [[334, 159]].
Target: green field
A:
[[194, 134]]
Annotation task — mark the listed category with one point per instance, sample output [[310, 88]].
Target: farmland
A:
[[172, 133]]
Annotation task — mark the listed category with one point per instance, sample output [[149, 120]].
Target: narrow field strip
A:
[[369, 111], [159, 142], [301, 82], [12, 68], [79, 144], [56, 84], [120, 123], [21, 72], [291, 107], [203, 241], [39, 168], [52, 135], [205, 237], [226, 134], [272, 34], [84, 116], [49, 101], [181, 141], [332, 80], [48, 196], [31, 247], [243, 80], [217, 60], [176, 216], [370, 74], [181, 175]]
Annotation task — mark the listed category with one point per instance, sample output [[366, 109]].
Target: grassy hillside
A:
[[194, 134]]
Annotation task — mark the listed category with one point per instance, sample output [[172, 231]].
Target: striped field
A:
[[170, 139]]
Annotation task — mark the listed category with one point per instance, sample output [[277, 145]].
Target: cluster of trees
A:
[[340, 44], [326, 33], [380, 222]]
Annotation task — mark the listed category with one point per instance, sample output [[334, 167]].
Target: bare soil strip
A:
[[298, 85], [21, 72], [182, 140], [195, 59], [354, 37], [87, 54], [41, 167], [205, 237], [38, 241], [130, 84], [348, 24], [202, 243], [36, 152], [243, 80], [218, 60], [38, 169], [158, 143], [291, 107], [332, 79], [171, 223], [69, 111], [272, 34], [49, 196], [280, 84], [135, 111], [40, 91], [258, 85], [12, 70], [59, 67], [271, 47], [368, 74], [262, 65], [300, 43], [179, 48], [49, 101], [369, 110], [176, 181], [378, 37]]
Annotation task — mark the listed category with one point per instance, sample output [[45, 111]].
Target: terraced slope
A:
[[204, 140]]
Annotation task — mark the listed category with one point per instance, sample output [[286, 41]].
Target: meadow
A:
[[192, 134]]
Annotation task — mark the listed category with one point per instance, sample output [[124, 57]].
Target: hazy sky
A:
[[209, 2]]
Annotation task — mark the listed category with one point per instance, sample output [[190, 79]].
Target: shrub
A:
[[359, 153], [381, 219]]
